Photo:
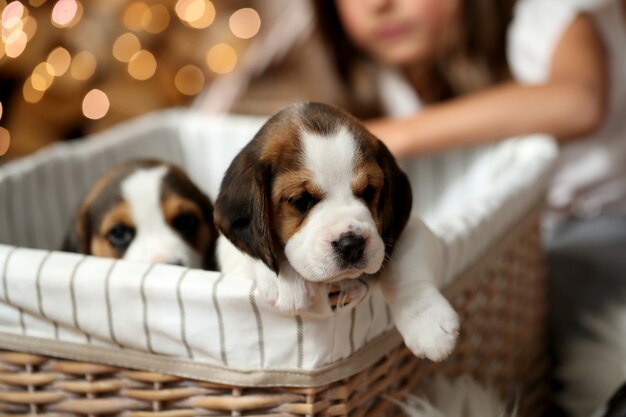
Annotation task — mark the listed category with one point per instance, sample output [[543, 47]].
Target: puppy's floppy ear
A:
[[242, 210], [396, 199], [78, 237]]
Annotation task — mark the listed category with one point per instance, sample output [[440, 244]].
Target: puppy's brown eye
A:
[[303, 203], [186, 224], [368, 194], [120, 236]]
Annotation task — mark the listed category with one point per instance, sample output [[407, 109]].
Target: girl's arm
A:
[[569, 105]]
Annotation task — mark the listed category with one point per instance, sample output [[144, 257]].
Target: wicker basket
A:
[[502, 343], [494, 275]]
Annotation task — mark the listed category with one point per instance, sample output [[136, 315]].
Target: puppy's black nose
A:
[[350, 247]]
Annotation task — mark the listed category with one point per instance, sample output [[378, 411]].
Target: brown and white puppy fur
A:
[[315, 199], [149, 211]]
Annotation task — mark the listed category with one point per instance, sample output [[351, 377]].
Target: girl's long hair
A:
[[475, 59]]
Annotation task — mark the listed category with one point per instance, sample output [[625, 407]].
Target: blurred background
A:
[[69, 68]]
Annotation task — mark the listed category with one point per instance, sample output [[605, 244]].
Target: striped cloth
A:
[[93, 308]]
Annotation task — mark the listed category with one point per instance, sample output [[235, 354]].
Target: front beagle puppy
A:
[[317, 202], [316, 192], [149, 211]]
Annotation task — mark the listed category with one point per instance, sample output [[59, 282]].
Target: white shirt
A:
[[590, 177]]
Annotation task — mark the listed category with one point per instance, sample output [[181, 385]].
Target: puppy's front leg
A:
[[288, 291], [410, 284]]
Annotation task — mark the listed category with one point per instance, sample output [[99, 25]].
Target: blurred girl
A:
[[453, 73]]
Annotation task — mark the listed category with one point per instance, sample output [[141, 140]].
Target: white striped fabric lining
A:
[[469, 198], [169, 310]]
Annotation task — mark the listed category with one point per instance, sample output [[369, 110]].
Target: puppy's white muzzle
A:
[[164, 247], [336, 243]]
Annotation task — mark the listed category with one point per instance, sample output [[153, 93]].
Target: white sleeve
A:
[[533, 34]]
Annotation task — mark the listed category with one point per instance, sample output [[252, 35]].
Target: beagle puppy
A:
[[315, 204], [146, 210]]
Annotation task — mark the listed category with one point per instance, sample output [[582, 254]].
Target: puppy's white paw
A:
[[288, 296], [432, 331], [294, 298], [267, 290]]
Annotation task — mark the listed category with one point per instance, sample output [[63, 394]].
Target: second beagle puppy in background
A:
[[146, 210], [315, 200]]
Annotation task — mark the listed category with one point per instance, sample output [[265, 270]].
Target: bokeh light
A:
[[189, 80], [142, 65], [30, 26], [64, 13], [30, 94], [156, 19], [134, 14], [95, 104], [12, 15], [5, 141], [60, 60], [56, 50], [83, 65], [15, 43], [42, 76], [198, 14], [7, 33], [245, 23], [125, 47], [222, 58]]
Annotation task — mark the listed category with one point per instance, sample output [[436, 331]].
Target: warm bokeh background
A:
[[72, 67]]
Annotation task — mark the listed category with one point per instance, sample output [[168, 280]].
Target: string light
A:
[[12, 15], [134, 14], [7, 33], [245, 23], [189, 80], [30, 26], [42, 76], [83, 66], [95, 104], [64, 12], [13, 34], [198, 14], [222, 58], [142, 65], [60, 60], [138, 20], [30, 94], [156, 19], [15, 43], [125, 46], [5, 141]]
